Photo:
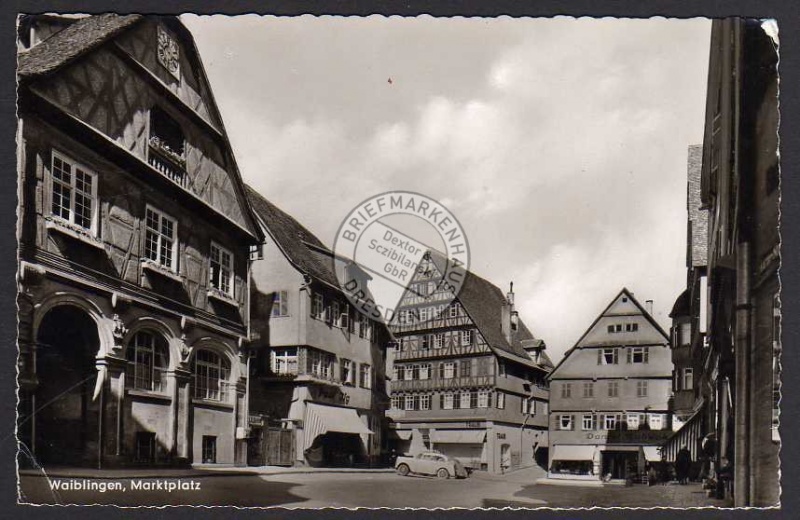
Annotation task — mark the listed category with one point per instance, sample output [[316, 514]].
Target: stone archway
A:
[[67, 419]]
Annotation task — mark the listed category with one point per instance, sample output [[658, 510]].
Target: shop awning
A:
[[615, 447], [652, 453], [459, 436], [403, 435], [573, 452], [321, 419]]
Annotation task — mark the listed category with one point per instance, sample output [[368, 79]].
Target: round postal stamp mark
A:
[[401, 257]]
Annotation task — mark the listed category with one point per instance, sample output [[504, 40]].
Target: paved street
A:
[[355, 489]]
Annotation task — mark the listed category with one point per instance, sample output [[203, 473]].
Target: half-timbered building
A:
[[318, 391], [134, 232], [467, 377]]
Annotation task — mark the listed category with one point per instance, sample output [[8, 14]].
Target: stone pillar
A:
[[112, 413], [180, 443]]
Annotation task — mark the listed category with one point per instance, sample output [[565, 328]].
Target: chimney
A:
[[648, 305]]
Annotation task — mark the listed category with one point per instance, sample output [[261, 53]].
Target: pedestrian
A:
[[683, 462]]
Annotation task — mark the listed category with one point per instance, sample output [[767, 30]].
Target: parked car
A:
[[430, 463]]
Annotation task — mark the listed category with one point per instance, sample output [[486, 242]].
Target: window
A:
[[525, 405], [414, 372], [633, 421], [160, 238], [589, 422], [688, 379], [454, 311], [402, 316], [74, 193], [466, 338], [409, 402], [463, 401], [483, 399], [256, 251], [319, 364], [607, 356], [564, 422], [318, 306], [613, 389], [221, 271], [641, 389], [148, 358], [425, 402], [284, 361], [466, 367], [396, 402], [211, 374], [501, 400], [610, 422], [449, 370], [656, 421], [631, 327], [447, 401], [638, 354], [365, 376], [425, 342], [346, 368], [425, 371], [400, 372], [473, 399], [280, 304], [145, 447], [588, 389], [438, 341], [614, 328], [566, 390], [336, 314]]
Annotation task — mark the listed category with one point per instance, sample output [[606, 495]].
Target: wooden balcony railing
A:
[[170, 166]]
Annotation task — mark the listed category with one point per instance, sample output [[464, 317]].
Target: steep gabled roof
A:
[[301, 247], [681, 307], [600, 316], [75, 40]]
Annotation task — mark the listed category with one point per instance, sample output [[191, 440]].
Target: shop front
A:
[[334, 436], [574, 462]]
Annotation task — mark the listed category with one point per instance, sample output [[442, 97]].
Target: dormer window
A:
[[167, 146]]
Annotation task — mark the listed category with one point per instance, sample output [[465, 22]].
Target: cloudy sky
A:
[[560, 144]]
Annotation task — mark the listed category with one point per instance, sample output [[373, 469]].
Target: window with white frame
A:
[[588, 422], [449, 370], [656, 421], [610, 421], [632, 420], [425, 342], [408, 373], [336, 313], [631, 327], [409, 402], [425, 371], [638, 355], [438, 340], [463, 401], [453, 310], [466, 337], [280, 304], [346, 368], [221, 270], [448, 401], [501, 400], [211, 374], [160, 240], [396, 402], [148, 358], [402, 316], [688, 379], [73, 192], [565, 422], [423, 314], [399, 372], [483, 398], [284, 361], [524, 405], [365, 376], [318, 306], [607, 356], [319, 364], [425, 402]]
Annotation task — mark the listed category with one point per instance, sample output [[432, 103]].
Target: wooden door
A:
[[278, 447]]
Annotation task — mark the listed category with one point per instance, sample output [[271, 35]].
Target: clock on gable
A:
[[168, 52]]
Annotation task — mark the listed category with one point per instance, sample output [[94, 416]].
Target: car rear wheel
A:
[[443, 473], [403, 470]]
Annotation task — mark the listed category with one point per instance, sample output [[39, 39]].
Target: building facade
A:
[[609, 396], [318, 392], [461, 379], [692, 392], [741, 190], [133, 233]]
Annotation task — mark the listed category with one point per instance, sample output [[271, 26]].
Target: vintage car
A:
[[430, 463]]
